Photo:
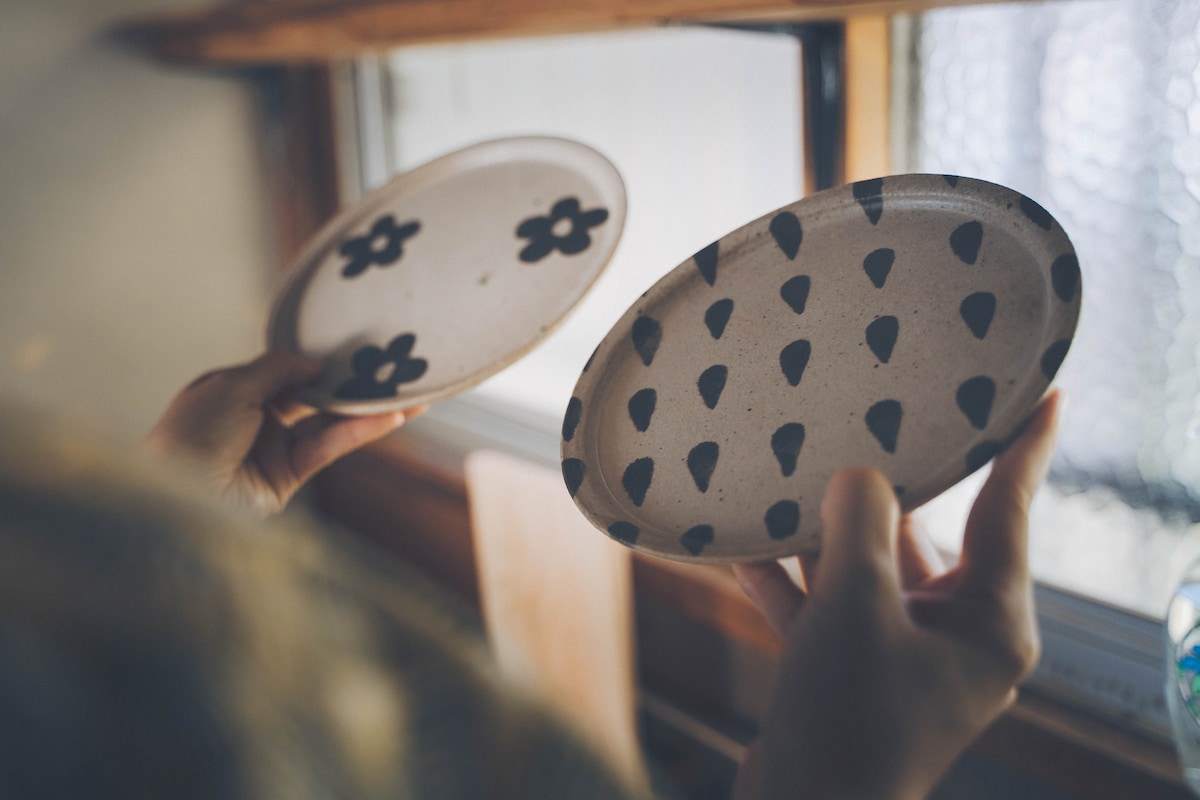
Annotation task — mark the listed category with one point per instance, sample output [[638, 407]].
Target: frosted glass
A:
[[1091, 107]]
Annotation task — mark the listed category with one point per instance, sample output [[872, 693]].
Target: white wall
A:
[[135, 233]]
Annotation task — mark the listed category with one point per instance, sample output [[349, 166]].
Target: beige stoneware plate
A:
[[910, 323], [450, 272]]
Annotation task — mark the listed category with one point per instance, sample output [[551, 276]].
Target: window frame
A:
[[407, 493]]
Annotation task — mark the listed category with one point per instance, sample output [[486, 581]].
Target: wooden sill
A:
[[411, 499], [322, 30]]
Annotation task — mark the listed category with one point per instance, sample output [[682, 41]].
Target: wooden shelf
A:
[[275, 31]]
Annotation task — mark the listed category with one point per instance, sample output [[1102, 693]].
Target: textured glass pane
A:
[[1091, 107]]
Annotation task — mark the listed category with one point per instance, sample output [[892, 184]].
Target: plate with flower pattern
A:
[[450, 272]]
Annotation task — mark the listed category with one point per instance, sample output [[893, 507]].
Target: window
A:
[[714, 143], [1069, 102]]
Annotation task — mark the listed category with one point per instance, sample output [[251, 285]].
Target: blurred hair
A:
[[152, 647]]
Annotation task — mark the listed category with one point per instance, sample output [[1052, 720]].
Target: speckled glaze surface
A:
[[909, 323], [450, 272]]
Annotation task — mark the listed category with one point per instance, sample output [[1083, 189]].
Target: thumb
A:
[[258, 381], [860, 521]]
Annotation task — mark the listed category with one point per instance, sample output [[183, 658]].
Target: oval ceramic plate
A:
[[909, 323], [450, 272]]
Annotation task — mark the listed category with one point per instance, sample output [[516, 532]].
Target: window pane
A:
[[703, 125], [1091, 107]]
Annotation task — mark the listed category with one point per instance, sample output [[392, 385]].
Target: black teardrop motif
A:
[[783, 519], [706, 262], [624, 532], [952, 180], [785, 228], [697, 538], [881, 337], [647, 334], [712, 383], [981, 454], [701, 461], [573, 471], [1052, 359], [869, 195], [878, 264], [1040, 216], [883, 421], [785, 444], [636, 479], [966, 240], [795, 292], [977, 311], [1064, 276], [717, 317], [793, 360], [571, 418], [975, 397], [641, 408]]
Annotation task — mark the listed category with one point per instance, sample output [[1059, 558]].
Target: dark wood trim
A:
[[322, 30], [413, 502], [300, 150]]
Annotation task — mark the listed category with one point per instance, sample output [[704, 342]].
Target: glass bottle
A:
[[1182, 641]]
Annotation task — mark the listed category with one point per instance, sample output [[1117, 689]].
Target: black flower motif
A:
[[363, 250], [545, 234], [378, 372]]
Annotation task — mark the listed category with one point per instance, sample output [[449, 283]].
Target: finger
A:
[[919, 559], [860, 519], [995, 544], [808, 566], [272, 372], [270, 458], [290, 411], [772, 591], [321, 440]]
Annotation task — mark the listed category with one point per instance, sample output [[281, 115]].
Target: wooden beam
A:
[[300, 150], [868, 97], [323, 30]]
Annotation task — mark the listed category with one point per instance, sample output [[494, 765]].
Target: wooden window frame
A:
[[278, 31]]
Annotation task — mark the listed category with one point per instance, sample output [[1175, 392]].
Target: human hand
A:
[[255, 446], [892, 666]]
